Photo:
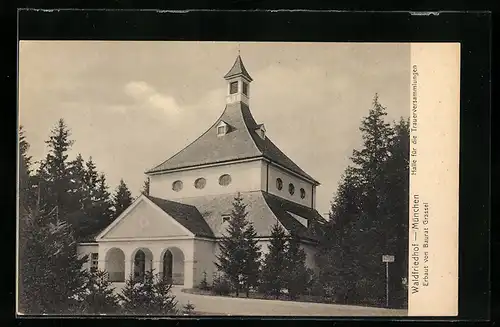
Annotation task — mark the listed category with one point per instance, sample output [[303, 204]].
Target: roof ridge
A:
[[248, 128], [265, 148], [171, 201]]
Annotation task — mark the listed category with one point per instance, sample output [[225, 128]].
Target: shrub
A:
[[99, 294], [316, 288], [188, 309], [221, 286], [204, 284], [149, 296]]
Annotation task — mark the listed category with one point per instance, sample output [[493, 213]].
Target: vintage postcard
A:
[[238, 178]]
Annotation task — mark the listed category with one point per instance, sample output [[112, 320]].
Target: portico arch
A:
[[142, 261], [172, 265], [115, 265]]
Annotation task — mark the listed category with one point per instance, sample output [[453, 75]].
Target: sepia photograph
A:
[[180, 178]]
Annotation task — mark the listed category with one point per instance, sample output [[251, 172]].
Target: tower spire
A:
[[238, 81]]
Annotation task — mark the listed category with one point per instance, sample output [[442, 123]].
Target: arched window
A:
[[225, 180], [279, 184], [291, 189], [200, 183], [177, 186], [302, 193]]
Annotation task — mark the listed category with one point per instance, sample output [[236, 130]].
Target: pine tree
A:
[[340, 267], [369, 214], [91, 178], [231, 260], [188, 309], [122, 199], [251, 269], [81, 199], [102, 204], [52, 279], [98, 296], [145, 187], [27, 191], [395, 208], [274, 267], [297, 274], [53, 175], [150, 296]]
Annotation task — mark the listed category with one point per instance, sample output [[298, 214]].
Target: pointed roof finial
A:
[[238, 69], [239, 50]]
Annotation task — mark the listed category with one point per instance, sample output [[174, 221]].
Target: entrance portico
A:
[[124, 260]]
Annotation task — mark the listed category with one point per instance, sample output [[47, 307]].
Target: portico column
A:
[[128, 265], [189, 273], [157, 262]]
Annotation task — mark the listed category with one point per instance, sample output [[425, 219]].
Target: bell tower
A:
[[238, 83]]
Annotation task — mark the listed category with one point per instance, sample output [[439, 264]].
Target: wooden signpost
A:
[[387, 258]]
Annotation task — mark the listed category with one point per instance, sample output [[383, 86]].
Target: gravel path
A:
[[216, 305]]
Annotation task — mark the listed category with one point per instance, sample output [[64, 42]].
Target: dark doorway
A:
[[167, 265], [139, 265]]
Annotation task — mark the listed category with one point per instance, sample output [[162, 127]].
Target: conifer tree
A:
[[297, 274], [122, 199], [52, 279], [103, 204], [54, 176], [91, 178], [149, 296], [251, 269], [369, 214], [233, 246], [98, 296], [145, 187], [81, 199], [340, 267], [27, 191], [274, 267]]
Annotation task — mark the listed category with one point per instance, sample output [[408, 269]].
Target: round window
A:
[[200, 183], [279, 184], [302, 193], [291, 189], [225, 180], [177, 186]]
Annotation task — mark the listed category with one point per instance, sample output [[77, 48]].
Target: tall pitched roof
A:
[[241, 142], [238, 69]]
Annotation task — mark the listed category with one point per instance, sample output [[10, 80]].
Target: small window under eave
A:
[[302, 220], [261, 131], [222, 128]]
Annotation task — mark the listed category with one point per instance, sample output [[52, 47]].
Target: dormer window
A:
[[233, 87], [302, 220], [226, 218], [222, 128], [261, 131]]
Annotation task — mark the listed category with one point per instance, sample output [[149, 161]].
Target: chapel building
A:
[[175, 229]]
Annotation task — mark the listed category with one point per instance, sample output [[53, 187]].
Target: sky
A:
[[132, 105]]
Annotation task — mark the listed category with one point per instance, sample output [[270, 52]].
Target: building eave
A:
[[232, 161]]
